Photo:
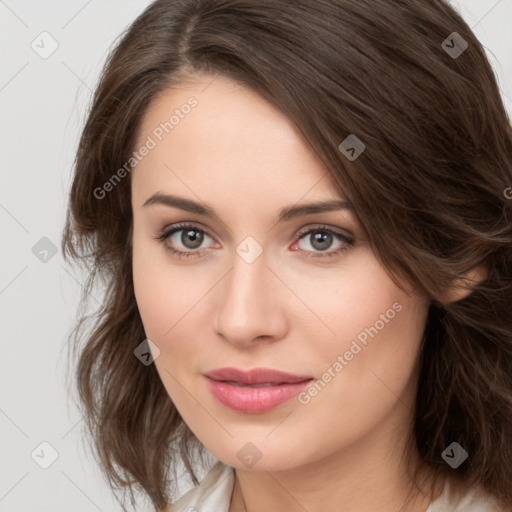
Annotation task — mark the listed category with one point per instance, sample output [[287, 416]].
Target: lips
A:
[[257, 377], [254, 391]]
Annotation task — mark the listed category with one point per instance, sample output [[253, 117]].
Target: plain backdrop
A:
[[43, 100]]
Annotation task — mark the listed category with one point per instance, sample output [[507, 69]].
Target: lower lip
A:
[[254, 400]]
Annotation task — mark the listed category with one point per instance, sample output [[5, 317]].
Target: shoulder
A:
[[468, 500], [213, 494]]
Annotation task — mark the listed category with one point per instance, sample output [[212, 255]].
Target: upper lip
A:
[[255, 376]]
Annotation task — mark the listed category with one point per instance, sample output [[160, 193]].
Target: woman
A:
[[299, 211]]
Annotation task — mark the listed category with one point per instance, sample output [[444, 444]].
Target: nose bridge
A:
[[249, 307]]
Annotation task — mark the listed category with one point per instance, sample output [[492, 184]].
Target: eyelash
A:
[[167, 232]]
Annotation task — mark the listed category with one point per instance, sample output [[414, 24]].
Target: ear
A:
[[470, 280]]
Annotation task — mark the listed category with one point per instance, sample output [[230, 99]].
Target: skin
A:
[[285, 311]]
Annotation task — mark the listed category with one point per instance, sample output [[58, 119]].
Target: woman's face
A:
[[257, 291]]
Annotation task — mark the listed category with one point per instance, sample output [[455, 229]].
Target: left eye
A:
[[321, 239]]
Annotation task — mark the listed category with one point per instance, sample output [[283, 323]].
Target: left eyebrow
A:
[[285, 214]]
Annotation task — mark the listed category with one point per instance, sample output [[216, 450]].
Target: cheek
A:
[[153, 289], [167, 294], [372, 379], [343, 301], [378, 358], [164, 299], [376, 328], [380, 329]]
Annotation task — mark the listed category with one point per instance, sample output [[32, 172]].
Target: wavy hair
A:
[[430, 188]]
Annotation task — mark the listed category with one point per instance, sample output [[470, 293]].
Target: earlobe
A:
[[471, 278]]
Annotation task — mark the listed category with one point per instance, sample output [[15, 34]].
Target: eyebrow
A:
[[284, 214]]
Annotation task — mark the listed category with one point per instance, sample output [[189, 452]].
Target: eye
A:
[[321, 239], [191, 238]]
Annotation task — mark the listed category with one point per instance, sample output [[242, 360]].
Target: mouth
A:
[[257, 391], [257, 376]]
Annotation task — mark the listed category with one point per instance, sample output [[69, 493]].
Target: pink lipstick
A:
[[254, 391]]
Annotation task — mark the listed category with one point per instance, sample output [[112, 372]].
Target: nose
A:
[[251, 304]]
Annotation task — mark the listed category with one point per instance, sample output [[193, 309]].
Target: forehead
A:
[[213, 138]]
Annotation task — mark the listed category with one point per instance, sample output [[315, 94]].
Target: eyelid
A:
[[182, 226], [178, 226], [311, 227]]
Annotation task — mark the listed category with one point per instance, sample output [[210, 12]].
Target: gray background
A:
[[43, 103]]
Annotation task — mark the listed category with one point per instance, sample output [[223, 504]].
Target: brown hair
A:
[[429, 189]]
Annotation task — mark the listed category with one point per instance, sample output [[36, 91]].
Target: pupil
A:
[[191, 235], [324, 239]]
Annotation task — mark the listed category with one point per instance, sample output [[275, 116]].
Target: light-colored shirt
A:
[[213, 494]]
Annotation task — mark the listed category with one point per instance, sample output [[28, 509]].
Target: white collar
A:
[[213, 494]]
